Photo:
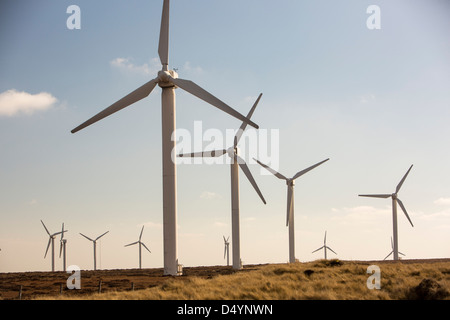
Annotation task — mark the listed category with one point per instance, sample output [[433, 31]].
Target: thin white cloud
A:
[[210, 195], [13, 102], [126, 65], [442, 201], [189, 68]]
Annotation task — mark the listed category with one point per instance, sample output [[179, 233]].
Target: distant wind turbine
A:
[[51, 240], [95, 247], [140, 247], [392, 245], [226, 252], [290, 202], [236, 162], [168, 80], [62, 247], [395, 200], [325, 247]]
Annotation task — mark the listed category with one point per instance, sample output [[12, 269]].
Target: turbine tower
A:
[[290, 182], [95, 247], [168, 80], [392, 246], [140, 247], [325, 247], [51, 240], [62, 247], [395, 200], [226, 252], [236, 162]]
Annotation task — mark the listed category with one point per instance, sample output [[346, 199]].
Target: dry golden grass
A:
[[318, 280]]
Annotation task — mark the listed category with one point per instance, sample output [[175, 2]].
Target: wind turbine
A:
[[140, 247], [95, 247], [236, 162], [168, 80], [227, 250], [62, 247], [325, 247], [392, 245], [290, 182], [395, 200], [51, 240]]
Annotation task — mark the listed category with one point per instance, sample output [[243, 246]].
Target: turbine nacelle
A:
[[290, 182], [165, 78]]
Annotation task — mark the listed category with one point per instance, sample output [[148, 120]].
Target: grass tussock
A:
[[318, 280]]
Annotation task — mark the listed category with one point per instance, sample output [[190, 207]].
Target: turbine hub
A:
[[394, 196], [165, 78], [290, 182]]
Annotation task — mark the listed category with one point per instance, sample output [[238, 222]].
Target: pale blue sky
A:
[[374, 101]]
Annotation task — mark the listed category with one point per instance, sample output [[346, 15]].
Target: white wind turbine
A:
[[51, 240], [226, 252], [62, 247], [392, 245], [325, 247], [140, 247], [168, 80], [236, 162], [290, 202], [395, 200], [95, 247]]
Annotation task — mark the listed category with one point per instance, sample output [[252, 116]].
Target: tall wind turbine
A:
[[325, 247], [95, 247], [226, 252], [236, 162], [51, 240], [395, 200], [392, 245], [62, 247], [290, 182], [140, 247], [168, 80]]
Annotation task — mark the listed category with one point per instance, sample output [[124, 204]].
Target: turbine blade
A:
[[239, 133], [101, 235], [133, 97], [289, 205], [127, 245], [392, 244], [86, 237], [60, 248], [403, 180], [48, 245], [277, 174], [318, 249], [45, 227], [404, 210], [249, 176], [62, 232], [402, 253], [325, 239], [308, 169], [140, 236], [388, 255], [331, 250], [163, 48], [204, 154], [146, 247], [376, 195], [224, 252], [197, 91]]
